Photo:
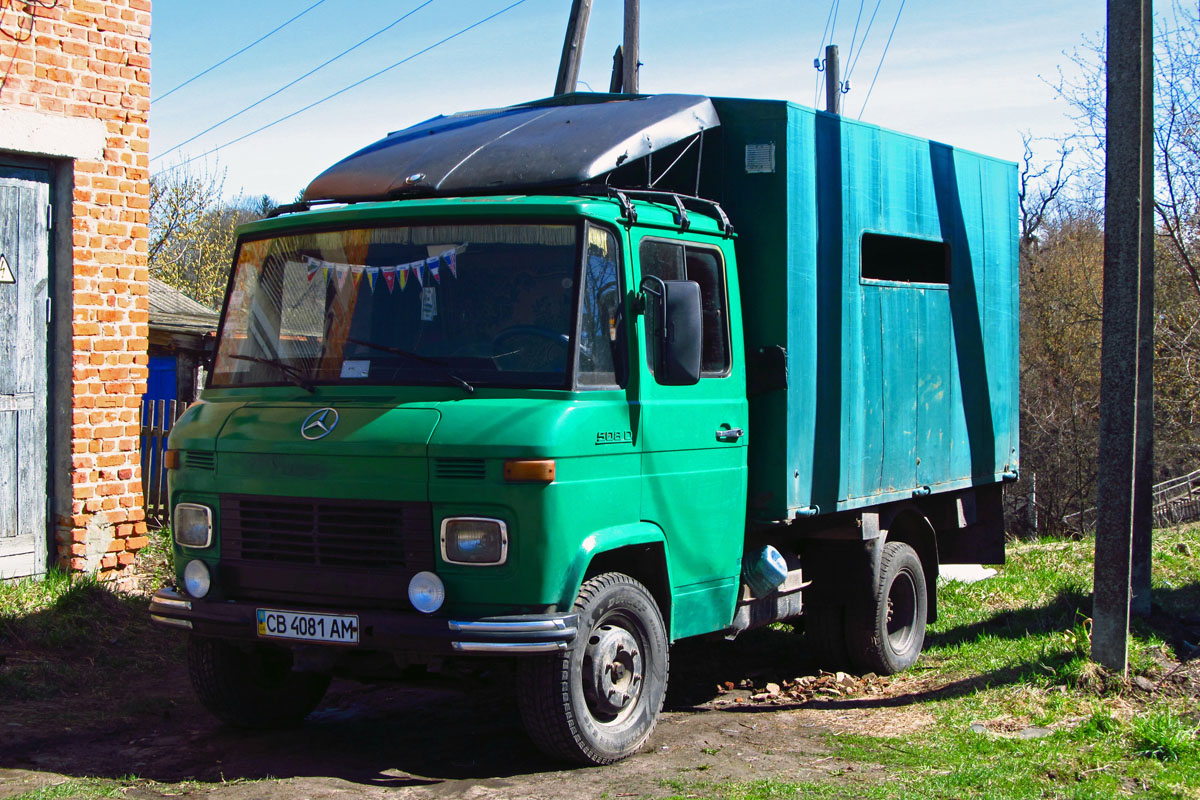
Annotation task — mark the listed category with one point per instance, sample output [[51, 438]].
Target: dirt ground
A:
[[437, 738]]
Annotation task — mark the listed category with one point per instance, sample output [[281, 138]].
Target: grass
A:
[[1010, 653], [76, 789], [63, 632]]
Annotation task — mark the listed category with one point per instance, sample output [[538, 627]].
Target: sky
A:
[[971, 73]]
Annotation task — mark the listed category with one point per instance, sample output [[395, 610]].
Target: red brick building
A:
[[74, 230]]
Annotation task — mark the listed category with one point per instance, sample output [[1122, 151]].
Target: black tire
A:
[[825, 634], [598, 701], [887, 632], [252, 686]]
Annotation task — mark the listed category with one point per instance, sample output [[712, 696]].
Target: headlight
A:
[[474, 540], [192, 524], [196, 580], [426, 592]]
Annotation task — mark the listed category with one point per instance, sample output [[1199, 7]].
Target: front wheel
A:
[[252, 686], [887, 632], [598, 702]]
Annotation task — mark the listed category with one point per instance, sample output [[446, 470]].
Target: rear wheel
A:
[[598, 702], [887, 633], [252, 686]]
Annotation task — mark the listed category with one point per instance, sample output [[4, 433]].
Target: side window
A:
[[601, 356], [904, 259], [675, 261]]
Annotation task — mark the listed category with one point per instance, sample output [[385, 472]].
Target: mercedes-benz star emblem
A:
[[319, 423]]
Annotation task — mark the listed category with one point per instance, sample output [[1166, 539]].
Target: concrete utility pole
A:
[[1143, 457], [629, 73], [833, 84], [1125, 359], [572, 52]]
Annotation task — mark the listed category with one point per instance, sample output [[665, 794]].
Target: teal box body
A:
[[879, 292]]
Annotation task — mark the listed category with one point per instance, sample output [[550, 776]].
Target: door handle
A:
[[729, 434]]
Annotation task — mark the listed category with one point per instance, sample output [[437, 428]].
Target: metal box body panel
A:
[[892, 386]]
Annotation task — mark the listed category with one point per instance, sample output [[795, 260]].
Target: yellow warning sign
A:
[[6, 275]]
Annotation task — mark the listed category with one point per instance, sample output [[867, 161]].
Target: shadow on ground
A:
[[128, 708]]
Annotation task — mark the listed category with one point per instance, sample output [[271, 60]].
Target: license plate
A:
[[334, 628]]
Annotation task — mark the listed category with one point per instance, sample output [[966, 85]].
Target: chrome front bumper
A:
[[381, 629]]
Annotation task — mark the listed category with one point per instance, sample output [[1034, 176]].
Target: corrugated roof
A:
[[166, 299], [174, 312]]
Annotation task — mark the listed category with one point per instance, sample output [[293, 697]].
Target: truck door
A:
[[694, 441]]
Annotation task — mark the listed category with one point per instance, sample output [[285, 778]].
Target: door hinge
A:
[[49, 216], [49, 308]]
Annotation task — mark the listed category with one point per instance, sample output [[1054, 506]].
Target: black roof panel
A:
[[561, 141]]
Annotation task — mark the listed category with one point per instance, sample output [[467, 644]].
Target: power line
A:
[[820, 51], [863, 43], [854, 36], [881, 58], [343, 90], [239, 52], [286, 86]]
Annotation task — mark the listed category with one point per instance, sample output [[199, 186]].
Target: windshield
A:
[[460, 305]]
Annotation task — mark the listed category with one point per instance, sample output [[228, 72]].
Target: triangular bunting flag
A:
[[449, 258], [341, 270], [402, 274], [325, 272], [389, 277], [357, 271], [418, 271], [432, 264], [314, 265], [372, 273]]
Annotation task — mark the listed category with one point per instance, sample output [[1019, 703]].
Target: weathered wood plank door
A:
[[24, 314]]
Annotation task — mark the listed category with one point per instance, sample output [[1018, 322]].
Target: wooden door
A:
[[24, 316]]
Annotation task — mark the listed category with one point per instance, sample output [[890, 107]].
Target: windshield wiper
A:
[[399, 351], [285, 369]]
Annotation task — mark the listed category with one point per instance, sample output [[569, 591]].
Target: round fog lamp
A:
[[426, 592], [196, 580]]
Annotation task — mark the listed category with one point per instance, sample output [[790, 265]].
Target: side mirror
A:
[[674, 316]]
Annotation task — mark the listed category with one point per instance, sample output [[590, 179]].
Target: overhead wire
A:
[[854, 36], [881, 58], [227, 59], [863, 43], [343, 90], [289, 85], [821, 51]]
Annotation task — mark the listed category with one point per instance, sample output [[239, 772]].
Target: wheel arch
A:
[[909, 525], [638, 550]]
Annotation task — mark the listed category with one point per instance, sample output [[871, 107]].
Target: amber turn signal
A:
[[534, 471], [171, 459]]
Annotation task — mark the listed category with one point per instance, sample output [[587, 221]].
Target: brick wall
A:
[[91, 59]]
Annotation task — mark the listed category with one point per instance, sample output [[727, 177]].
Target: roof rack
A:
[[681, 202]]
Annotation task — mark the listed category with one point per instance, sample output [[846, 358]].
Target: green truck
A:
[[571, 380]]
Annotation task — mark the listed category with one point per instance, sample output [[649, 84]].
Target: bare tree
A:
[[193, 230]]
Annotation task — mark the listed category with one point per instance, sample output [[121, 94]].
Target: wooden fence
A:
[[158, 416], [1175, 501]]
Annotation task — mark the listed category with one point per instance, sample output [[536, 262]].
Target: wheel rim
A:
[[901, 612], [613, 670]]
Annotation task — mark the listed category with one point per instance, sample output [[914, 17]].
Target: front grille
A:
[[379, 536], [331, 553], [459, 468]]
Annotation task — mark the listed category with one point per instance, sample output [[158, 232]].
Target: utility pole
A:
[[629, 74], [572, 52], [1143, 458], [617, 80], [833, 86], [1125, 363]]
